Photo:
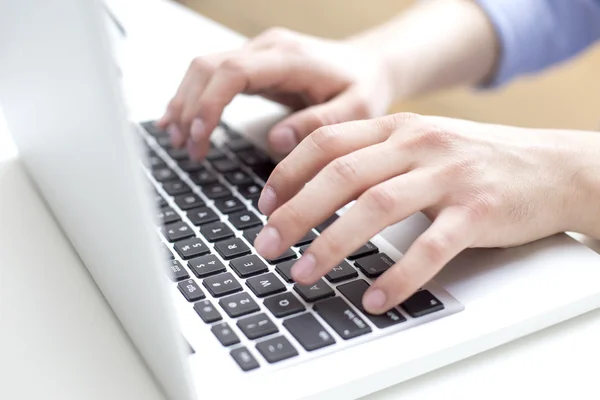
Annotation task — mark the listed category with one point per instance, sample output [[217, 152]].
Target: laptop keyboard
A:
[[208, 229]]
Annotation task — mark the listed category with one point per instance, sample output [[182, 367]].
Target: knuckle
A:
[[331, 245], [423, 135], [281, 173], [289, 217], [344, 169], [479, 206], [404, 119], [380, 198], [436, 246], [276, 32], [200, 64], [234, 65], [326, 138]]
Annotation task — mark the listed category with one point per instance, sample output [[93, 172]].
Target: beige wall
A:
[[567, 96]]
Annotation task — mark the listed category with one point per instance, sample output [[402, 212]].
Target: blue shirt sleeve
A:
[[535, 34]]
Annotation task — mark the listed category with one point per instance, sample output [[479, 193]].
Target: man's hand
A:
[[482, 185], [325, 81]]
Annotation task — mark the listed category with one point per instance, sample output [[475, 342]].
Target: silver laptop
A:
[[169, 242]]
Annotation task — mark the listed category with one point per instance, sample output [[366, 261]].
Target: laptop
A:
[[169, 242]]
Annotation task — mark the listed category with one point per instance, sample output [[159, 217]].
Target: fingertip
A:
[[374, 301], [267, 200], [283, 139], [177, 138], [197, 150]]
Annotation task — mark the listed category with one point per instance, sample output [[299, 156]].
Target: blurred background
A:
[[567, 96]]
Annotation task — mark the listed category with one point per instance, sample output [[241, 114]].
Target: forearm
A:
[[434, 45]]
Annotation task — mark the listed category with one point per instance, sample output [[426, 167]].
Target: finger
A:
[[451, 232], [198, 150], [379, 207], [288, 133], [251, 73], [315, 152], [337, 184], [192, 84]]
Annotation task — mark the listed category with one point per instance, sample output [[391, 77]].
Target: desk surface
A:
[[60, 340]]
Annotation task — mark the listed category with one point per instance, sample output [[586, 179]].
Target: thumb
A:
[[286, 135]]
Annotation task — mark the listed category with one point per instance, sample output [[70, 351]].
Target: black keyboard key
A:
[[190, 248], [229, 204], [222, 284], [250, 190], [252, 157], [308, 332], [239, 144], [175, 187], [226, 336], [363, 251], [188, 201], [152, 129], [284, 304], [167, 215], [374, 265], [318, 291], [203, 178], [422, 303], [216, 191], [285, 270], [251, 234], [238, 304], [178, 154], [341, 272], [232, 248], [257, 326], [265, 285], [224, 165], [264, 170], [244, 219], [190, 166], [216, 231], [177, 231], [207, 311], [342, 318], [254, 201], [287, 255], [164, 174], [177, 272], [202, 215], [238, 178], [206, 266], [325, 224], [190, 290], [215, 154], [244, 359], [164, 141], [307, 239], [248, 266], [354, 292], [276, 349], [153, 161]]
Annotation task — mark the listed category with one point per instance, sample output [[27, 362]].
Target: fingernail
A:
[[175, 134], [267, 242], [197, 130], [304, 268], [267, 200], [374, 300], [283, 140]]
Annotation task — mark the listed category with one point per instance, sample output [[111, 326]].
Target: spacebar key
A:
[[341, 317]]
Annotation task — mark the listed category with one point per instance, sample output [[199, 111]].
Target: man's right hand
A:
[[323, 81]]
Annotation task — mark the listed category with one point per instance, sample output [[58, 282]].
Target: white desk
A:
[[60, 340]]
